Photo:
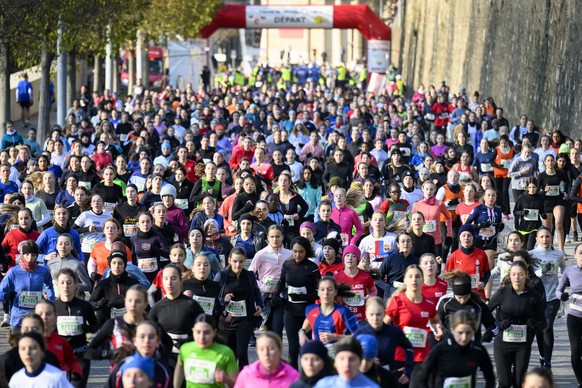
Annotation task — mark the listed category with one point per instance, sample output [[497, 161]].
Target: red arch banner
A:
[[359, 17]]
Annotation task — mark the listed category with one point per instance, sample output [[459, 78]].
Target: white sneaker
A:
[[5, 321], [568, 240]]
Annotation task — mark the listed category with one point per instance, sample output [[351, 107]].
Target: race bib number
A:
[[295, 291], [515, 333], [397, 284], [345, 239], [457, 382], [123, 137], [87, 246], [550, 268], [70, 325], [29, 299], [129, 230], [237, 308], [148, 265], [86, 185], [109, 206], [531, 214], [199, 371], [429, 227], [475, 278], [553, 191], [486, 167], [487, 232], [465, 176], [206, 303], [290, 220], [464, 218], [416, 336], [356, 300], [505, 162], [398, 215], [576, 302], [182, 203], [270, 282], [222, 259], [115, 312]]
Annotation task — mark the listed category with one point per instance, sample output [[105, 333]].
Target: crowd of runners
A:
[[170, 230]]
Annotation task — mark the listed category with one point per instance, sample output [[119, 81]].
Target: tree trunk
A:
[[5, 95], [115, 71], [98, 75], [146, 68], [130, 71], [71, 78], [44, 109]]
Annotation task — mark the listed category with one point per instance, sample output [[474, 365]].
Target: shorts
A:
[[550, 204], [25, 104], [486, 244]]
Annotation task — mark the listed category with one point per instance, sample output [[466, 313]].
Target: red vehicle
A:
[[156, 67]]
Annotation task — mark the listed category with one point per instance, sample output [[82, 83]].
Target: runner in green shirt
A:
[[204, 362]]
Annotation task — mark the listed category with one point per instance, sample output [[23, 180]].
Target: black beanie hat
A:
[[118, 250], [314, 347], [349, 344], [462, 285], [29, 248], [332, 242]]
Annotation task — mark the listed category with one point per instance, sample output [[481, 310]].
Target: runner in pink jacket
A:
[[432, 209], [346, 218], [269, 371]]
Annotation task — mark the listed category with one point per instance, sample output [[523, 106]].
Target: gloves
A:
[[76, 377], [309, 155], [544, 216], [483, 225], [504, 325], [487, 336], [448, 241], [500, 227], [565, 296], [453, 202]]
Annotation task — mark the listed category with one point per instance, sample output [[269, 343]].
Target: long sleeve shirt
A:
[[267, 264], [432, 218], [572, 277], [347, 218], [550, 260]]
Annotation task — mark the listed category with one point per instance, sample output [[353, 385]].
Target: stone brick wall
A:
[[526, 54]]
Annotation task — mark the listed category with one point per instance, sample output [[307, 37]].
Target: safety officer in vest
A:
[[286, 76], [342, 76]]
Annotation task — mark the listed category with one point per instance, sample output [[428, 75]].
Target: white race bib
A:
[[553, 191], [515, 333], [237, 308], [295, 291], [345, 239], [206, 303], [115, 312], [129, 230], [429, 227], [86, 185], [485, 167], [270, 283], [457, 382], [290, 220], [109, 206], [70, 325], [356, 300], [397, 284], [123, 137], [531, 214], [148, 265], [398, 215], [416, 336], [475, 278], [199, 371], [505, 162], [576, 302], [182, 203], [487, 232], [29, 299]]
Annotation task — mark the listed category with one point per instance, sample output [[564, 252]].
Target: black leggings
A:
[[293, 324], [86, 366], [507, 357], [238, 340], [502, 186], [574, 325], [546, 339]]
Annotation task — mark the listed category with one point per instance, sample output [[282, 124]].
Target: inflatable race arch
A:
[[359, 17]]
